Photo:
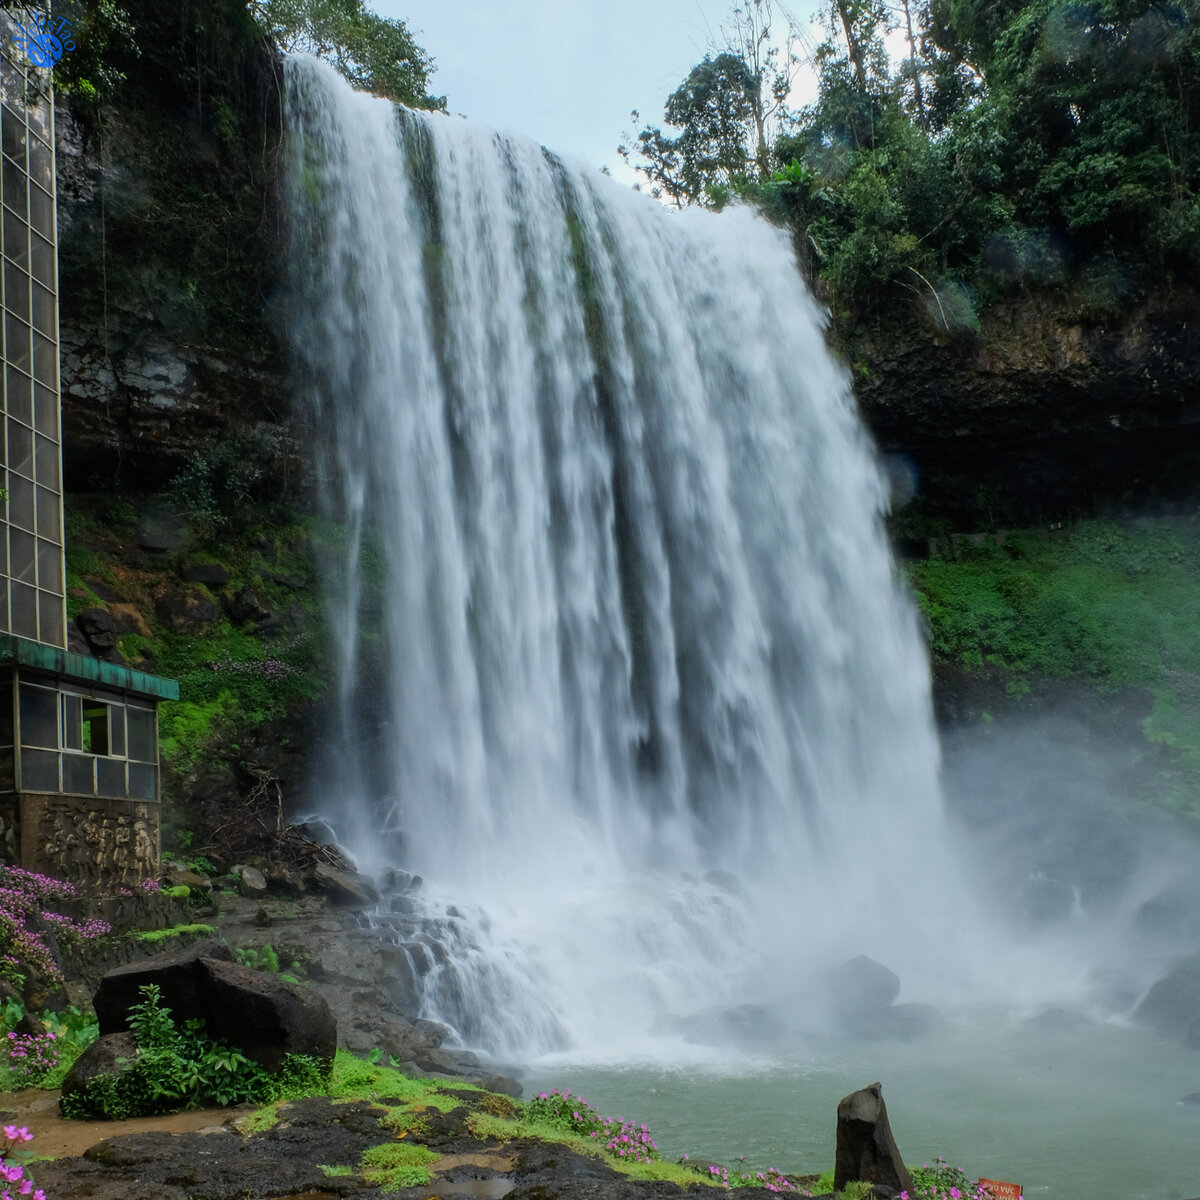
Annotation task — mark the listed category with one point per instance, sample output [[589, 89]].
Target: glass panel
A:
[[78, 774], [18, 397], [39, 771], [141, 781], [43, 309], [41, 164], [50, 618], [23, 600], [39, 118], [72, 722], [141, 733], [41, 211], [39, 716], [48, 514], [45, 410], [45, 360], [4, 625], [20, 505], [7, 780], [21, 555], [43, 260], [110, 776], [16, 342], [20, 448], [47, 461], [95, 727], [16, 290], [16, 239], [49, 566], [6, 721], [16, 186], [12, 125], [116, 730]]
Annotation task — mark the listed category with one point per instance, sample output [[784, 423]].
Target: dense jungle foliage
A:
[[1016, 145]]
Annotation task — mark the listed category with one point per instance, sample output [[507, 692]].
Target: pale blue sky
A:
[[565, 72]]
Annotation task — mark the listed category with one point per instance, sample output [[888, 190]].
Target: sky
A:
[[565, 72]]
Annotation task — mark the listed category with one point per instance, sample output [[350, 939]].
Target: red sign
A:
[[1002, 1191]]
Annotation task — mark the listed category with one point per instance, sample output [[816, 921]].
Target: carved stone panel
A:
[[100, 845]]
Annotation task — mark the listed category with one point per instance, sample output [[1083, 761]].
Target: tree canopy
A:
[[376, 54], [1018, 142]]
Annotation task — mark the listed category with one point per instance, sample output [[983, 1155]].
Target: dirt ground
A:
[[55, 1138]]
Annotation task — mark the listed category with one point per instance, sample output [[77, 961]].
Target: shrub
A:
[[184, 1068]]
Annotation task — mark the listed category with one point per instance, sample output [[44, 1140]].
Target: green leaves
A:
[[376, 54]]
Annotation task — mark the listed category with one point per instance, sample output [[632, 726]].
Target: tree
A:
[[376, 54], [729, 111]]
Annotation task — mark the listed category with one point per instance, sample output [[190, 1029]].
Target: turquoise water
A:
[[1083, 1114]]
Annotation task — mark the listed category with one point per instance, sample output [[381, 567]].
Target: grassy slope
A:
[[1107, 607]]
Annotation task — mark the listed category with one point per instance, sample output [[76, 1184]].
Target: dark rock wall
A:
[[170, 253], [1042, 416]]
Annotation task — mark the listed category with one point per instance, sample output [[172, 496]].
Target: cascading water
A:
[[624, 671]]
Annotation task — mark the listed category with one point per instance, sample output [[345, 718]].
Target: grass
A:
[[395, 1165], [1108, 607], [162, 935]]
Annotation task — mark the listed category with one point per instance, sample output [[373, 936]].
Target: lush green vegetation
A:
[[376, 54], [1110, 607], [184, 1068], [1017, 145]]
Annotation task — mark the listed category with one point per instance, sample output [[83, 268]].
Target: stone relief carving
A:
[[93, 843]]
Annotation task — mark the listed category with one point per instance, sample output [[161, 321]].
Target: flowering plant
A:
[[32, 1056], [944, 1182], [13, 1181], [621, 1138], [26, 895]]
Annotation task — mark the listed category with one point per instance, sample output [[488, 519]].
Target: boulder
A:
[[266, 1016], [188, 610], [866, 1149], [1173, 1003], [252, 883], [859, 991], [209, 574], [1191, 1038], [109, 1054], [344, 887], [741, 1025], [263, 1015], [99, 631], [179, 977], [246, 607]]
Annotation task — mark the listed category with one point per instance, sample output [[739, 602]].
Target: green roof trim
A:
[[82, 669]]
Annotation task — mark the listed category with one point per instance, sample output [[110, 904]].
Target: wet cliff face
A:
[[1042, 416], [169, 255]]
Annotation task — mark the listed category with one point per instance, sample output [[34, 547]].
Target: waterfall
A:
[[623, 668]]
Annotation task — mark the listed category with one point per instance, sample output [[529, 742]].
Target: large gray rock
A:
[[266, 1016], [866, 1149], [108, 1055], [1173, 1003], [344, 887], [859, 992], [740, 1025], [178, 976], [263, 1015]]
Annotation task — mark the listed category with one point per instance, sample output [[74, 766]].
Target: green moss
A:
[[1107, 607], [396, 1165], [160, 935], [335, 1172]]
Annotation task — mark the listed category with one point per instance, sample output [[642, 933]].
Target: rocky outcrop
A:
[[1044, 413], [262, 1014], [1172, 1005], [866, 1149]]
